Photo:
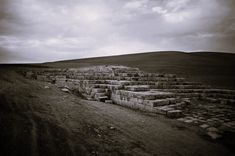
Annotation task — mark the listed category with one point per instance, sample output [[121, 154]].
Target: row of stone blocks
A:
[[222, 96], [141, 88], [183, 89], [197, 91], [127, 78], [158, 102], [138, 97]]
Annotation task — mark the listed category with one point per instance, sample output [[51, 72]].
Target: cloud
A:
[[137, 4], [57, 29], [159, 10]]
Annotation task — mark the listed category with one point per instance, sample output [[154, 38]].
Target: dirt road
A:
[[38, 121]]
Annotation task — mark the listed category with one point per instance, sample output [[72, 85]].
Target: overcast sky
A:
[[48, 30]]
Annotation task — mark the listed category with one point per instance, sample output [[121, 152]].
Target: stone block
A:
[[102, 98], [163, 109], [99, 94], [98, 90], [204, 126], [29, 74], [42, 77], [65, 90], [138, 88], [158, 102], [60, 78], [174, 113], [108, 101]]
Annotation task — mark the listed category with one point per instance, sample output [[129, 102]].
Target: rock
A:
[[213, 135], [65, 90], [66, 86], [102, 98], [181, 119], [204, 126], [188, 121], [112, 128], [108, 101], [212, 129], [89, 98], [174, 114], [138, 88], [201, 121], [46, 87]]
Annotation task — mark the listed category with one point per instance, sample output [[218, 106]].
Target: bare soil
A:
[[35, 120]]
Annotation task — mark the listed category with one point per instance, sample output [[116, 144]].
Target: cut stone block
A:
[[163, 109], [174, 113], [204, 126], [108, 101], [102, 98], [60, 78], [100, 94], [147, 95], [98, 90], [159, 102], [138, 88], [162, 102], [65, 90]]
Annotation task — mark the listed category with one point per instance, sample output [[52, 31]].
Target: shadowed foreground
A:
[[39, 120]]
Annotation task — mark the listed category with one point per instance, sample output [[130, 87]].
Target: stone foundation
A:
[[154, 92]]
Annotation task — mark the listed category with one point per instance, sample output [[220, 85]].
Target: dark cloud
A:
[[7, 56], [8, 20], [3, 16]]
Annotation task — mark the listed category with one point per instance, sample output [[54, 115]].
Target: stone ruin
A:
[[166, 94]]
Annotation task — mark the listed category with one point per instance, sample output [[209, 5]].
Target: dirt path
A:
[[58, 123]]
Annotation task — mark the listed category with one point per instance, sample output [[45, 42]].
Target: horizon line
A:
[[93, 57]]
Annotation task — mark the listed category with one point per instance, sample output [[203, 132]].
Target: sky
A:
[[49, 30]]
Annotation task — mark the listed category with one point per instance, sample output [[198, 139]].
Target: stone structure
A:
[[167, 94]]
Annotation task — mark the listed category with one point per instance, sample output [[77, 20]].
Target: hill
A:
[[216, 69]]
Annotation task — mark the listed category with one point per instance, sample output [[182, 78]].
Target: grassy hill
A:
[[216, 69]]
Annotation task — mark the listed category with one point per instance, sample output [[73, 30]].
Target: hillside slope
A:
[[216, 69]]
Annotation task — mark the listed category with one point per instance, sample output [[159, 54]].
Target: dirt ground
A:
[[37, 118]]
